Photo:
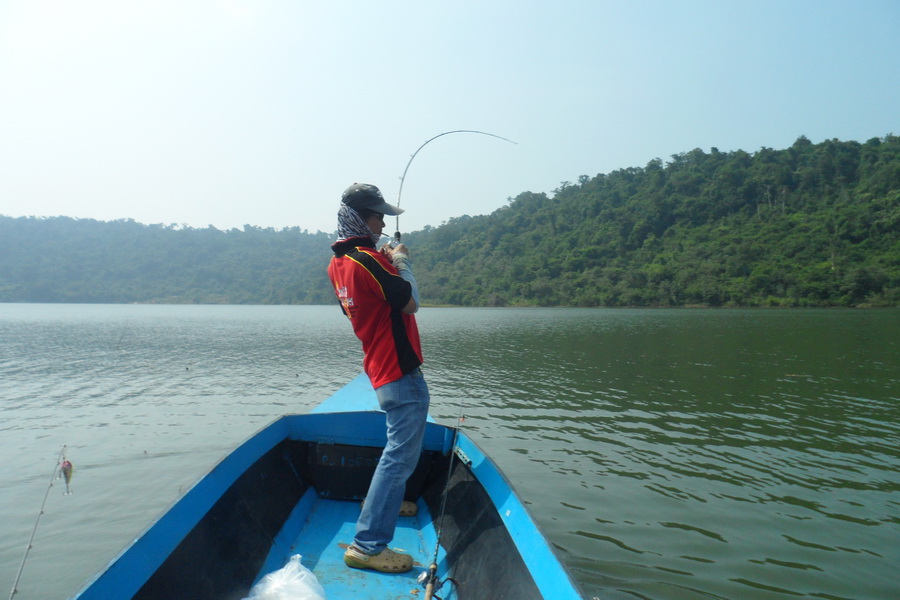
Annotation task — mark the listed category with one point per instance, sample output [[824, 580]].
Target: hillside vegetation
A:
[[810, 225], [81, 260]]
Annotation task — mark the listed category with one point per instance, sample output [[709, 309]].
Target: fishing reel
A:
[[432, 584]]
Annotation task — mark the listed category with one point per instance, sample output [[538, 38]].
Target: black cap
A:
[[365, 195]]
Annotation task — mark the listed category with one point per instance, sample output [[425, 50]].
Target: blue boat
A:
[[295, 488]]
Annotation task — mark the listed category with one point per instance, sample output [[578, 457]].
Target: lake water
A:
[[667, 454]]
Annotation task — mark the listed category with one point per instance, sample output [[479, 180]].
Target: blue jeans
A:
[[405, 402]]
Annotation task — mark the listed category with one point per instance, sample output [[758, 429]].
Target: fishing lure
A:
[[65, 471]]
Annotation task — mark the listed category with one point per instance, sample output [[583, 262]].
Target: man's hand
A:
[[389, 252]]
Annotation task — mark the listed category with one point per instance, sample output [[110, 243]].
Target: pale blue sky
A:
[[237, 112]]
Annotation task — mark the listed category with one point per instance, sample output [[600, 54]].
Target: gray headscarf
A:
[[352, 225]]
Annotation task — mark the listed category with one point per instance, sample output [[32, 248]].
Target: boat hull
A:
[[295, 488]]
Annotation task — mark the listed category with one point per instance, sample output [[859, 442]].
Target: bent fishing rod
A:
[[429, 579], [397, 235]]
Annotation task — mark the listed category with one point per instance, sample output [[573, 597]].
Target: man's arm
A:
[[399, 256]]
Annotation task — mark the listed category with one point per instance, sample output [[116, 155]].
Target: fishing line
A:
[[411, 158], [65, 469], [429, 578]]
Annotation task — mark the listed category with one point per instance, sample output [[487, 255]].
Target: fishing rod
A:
[[65, 470], [397, 235], [429, 578]]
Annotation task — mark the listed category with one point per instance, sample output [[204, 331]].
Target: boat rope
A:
[[403, 177], [429, 578], [60, 467]]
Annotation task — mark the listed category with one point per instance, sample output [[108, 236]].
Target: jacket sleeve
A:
[[386, 280]]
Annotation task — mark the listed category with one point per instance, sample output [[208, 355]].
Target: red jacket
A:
[[372, 294]]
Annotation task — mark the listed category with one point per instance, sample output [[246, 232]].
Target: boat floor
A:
[[329, 527]]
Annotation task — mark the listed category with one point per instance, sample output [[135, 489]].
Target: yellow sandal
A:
[[387, 561]]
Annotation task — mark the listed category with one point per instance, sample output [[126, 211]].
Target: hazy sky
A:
[[233, 112]]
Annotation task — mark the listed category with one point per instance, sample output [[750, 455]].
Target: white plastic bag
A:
[[291, 582]]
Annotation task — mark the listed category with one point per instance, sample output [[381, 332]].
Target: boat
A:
[[295, 487]]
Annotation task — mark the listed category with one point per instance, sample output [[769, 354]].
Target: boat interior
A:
[[303, 497]]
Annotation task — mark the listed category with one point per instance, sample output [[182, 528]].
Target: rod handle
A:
[[429, 587]]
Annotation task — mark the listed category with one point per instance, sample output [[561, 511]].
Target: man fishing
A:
[[378, 293]]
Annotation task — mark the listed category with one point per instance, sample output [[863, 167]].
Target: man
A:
[[378, 293]]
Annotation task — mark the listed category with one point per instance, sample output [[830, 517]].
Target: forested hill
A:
[[81, 260], [810, 225]]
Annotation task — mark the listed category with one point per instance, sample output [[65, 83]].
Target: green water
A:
[[688, 454], [666, 454]]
